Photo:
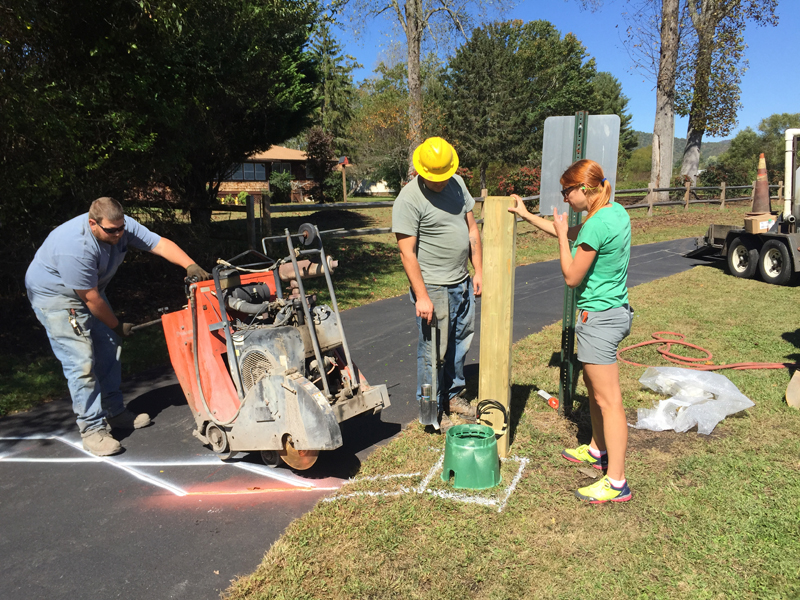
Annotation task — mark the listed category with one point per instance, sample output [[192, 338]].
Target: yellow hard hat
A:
[[435, 159]]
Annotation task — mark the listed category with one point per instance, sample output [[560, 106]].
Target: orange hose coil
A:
[[688, 362]]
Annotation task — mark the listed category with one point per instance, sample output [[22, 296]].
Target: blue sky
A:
[[771, 84]]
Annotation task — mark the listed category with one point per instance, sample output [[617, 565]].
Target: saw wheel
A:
[[297, 459]]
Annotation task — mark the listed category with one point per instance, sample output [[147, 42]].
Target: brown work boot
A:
[[461, 407], [127, 420], [100, 443]]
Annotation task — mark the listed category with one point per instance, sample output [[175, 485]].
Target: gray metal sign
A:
[[602, 146]]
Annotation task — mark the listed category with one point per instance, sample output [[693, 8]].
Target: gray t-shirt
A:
[[438, 221], [71, 258]]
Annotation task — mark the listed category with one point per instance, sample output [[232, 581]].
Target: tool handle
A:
[[143, 325]]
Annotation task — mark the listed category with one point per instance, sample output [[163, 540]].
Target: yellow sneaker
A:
[[602, 491], [581, 454]]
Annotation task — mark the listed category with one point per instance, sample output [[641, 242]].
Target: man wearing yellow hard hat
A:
[[436, 232]]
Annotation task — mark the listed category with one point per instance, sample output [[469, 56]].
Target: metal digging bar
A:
[[328, 280], [311, 329]]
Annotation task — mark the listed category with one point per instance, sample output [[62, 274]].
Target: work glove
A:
[[124, 329], [198, 273]]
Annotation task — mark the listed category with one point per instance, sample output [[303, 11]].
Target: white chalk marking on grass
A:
[[463, 498], [523, 462], [444, 494], [399, 492], [431, 474], [382, 477]]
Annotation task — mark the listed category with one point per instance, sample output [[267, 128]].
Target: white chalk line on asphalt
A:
[[128, 466], [499, 502]]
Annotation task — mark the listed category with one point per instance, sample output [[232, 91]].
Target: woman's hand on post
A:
[[560, 223], [519, 207]]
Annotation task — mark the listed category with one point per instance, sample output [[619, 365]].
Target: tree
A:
[[505, 81], [335, 91], [610, 100], [319, 159], [438, 20], [712, 100], [238, 93], [108, 97], [738, 164], [379, 128]]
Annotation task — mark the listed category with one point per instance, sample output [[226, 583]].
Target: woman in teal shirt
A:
[[598, 267]]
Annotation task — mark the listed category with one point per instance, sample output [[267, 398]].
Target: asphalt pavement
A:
[[166, 518]]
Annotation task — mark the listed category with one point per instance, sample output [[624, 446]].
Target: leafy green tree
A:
[[112, 97], [609, 100], [505, 81], [380, 126], [320, 161], [711, 97], [335, 91], [738, 165], [439, 22]]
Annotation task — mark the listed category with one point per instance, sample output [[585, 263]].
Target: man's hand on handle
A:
[[425, 309], [124, 329], [198, 273]]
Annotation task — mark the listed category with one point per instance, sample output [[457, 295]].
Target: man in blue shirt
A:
[[66, 285]]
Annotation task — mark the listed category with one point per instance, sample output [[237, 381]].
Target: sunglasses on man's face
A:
[[111, 230]]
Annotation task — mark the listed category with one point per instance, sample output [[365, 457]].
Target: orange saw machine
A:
[[265, 370]]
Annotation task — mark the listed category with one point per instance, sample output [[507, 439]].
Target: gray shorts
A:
[[598, 334]]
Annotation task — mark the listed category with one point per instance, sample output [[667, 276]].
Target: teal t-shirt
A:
[[605, 285], [438, 221]]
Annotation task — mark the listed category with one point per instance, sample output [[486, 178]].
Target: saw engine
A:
[[264, 371]]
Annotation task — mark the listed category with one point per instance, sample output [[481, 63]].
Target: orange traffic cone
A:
[[761, 203]]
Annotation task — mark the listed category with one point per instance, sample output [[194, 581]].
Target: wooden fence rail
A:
[[267, 210]]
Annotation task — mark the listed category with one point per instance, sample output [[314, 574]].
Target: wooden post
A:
[[780, 196], [266, 220], [722, 187], [752, 196], [688, 186], [497, 309], [251, 222], [344, 184], [650, 188]]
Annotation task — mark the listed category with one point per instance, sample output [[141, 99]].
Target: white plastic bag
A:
[[699, 398]]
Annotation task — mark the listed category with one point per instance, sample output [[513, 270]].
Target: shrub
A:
[[280, 184], [524, 181]]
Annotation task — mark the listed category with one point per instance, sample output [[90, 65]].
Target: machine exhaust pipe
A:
[[788, 177], [307, 269]]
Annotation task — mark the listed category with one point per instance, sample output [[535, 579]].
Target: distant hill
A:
[[707, 149]]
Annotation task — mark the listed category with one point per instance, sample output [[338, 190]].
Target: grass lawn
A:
[[369, 270], [711, 517]]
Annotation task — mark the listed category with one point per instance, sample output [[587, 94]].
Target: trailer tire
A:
[[775, 263], [742, 258]]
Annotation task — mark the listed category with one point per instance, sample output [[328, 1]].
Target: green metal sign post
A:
[[569, 363]]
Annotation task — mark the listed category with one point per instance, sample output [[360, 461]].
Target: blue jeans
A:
[[90, 364], [454, 307]]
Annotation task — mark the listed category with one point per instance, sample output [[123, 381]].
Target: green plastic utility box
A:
[[470, 456]]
